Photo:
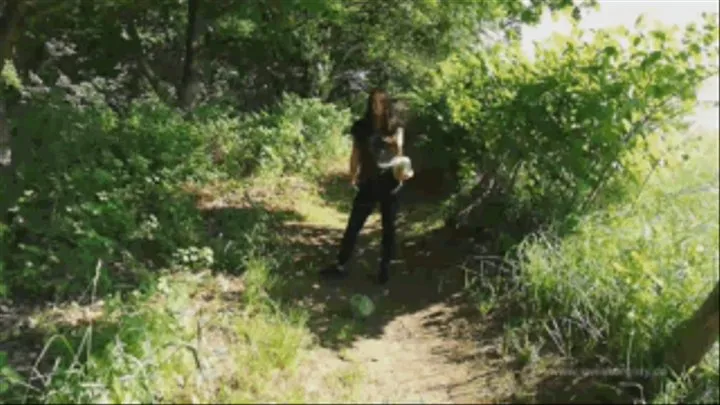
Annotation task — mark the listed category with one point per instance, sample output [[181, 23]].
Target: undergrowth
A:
[[629, 272], [111, 215], [112, 187], [171, 347]]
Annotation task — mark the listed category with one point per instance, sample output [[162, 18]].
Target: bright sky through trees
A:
[[625, 12]]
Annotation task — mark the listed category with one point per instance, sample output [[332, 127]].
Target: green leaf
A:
[[651, 59], [626, 125], [610, 51], [660, 35], [576, 14], [640, 21]]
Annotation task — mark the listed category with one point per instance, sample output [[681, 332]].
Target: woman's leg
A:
[[388, 211], [362, 207]]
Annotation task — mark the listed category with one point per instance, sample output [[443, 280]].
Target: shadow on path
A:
[[427, 288], [427, 275], [426, 270]]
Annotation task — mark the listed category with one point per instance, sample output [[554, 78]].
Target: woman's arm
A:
[[356, 131], [400, 140], [354, 163], [397, 140]]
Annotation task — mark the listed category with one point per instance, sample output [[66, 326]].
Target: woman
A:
[[380, 129]]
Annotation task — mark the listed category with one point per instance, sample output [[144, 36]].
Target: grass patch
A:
[[196, 335], [197, 338], [615, 288]]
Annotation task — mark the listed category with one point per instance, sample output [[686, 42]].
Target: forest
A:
[[174, 174]]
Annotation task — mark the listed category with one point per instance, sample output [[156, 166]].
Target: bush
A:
[[107, 187], [99, 187], [633, 271], [296, 136], [553, 130]]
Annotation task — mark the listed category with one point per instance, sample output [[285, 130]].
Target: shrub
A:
[[96, 186], [633, 271], [105, 186], [553, 130], [296, 136]]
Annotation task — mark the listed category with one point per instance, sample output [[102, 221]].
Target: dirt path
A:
[[414, 362], [424, 343]]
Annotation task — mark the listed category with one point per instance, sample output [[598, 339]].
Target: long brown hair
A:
[[378, 110]]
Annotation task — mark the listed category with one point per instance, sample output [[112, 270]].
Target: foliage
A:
[[634, 270], [251, 53], [108, 186], [101, 188], [553, 129], [295, 136]]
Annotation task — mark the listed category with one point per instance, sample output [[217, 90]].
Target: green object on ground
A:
[[362, 306]]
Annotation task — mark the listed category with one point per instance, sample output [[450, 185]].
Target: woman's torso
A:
[[362, 132]]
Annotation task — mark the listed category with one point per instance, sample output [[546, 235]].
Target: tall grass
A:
[[170, 346], [631, 271]]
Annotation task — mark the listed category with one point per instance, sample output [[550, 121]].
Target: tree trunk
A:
[[9, 24], [690, 342], [12, 14], [695, 337], [5, 140], [186, 89]]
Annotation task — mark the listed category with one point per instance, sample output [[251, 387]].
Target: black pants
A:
[[370, 193]]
